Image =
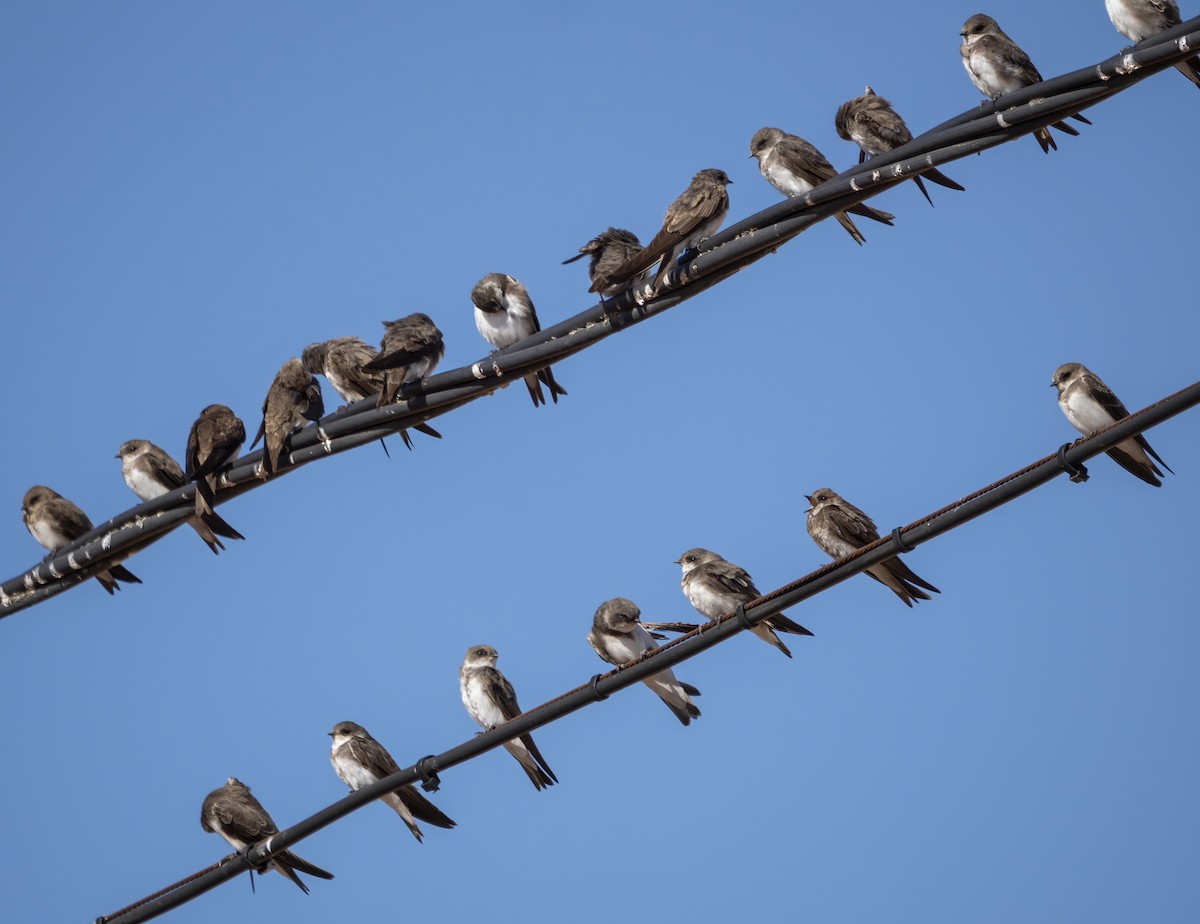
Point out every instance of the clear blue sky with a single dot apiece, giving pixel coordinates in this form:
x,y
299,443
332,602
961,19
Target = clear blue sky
x,y
193,194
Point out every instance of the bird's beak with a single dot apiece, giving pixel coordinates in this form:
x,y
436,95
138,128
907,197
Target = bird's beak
x,y
679,561
808,498
578,256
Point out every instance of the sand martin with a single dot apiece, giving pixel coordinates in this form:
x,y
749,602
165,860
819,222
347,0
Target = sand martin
x,y
871,123
795,167
1090,404
341,361
213,441
411,348
55,522
293,398
607,252
359,760
618,637
491,701
692,218
1138,20
232,812
150,472
504,314
716,587
840,528
996,65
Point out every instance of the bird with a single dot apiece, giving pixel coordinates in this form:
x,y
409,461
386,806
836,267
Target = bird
x,y
215,439
55,523
795,167
411,348
839,528
232,812
997,65
1089,404
715,587
491,701
359,760
341,361
617,637
504,314
294,397
1139,20
871,123
694,216
607,251
150,472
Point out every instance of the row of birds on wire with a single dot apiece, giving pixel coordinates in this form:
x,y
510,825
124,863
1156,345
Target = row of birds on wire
x,y
504,312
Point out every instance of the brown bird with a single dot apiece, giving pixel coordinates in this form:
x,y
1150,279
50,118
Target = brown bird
x,y
150,472
359,760
692,218
795,168
504,315
294,397
411,348
55,523
608,251
215,439
342,361
871,123
232,812
839,528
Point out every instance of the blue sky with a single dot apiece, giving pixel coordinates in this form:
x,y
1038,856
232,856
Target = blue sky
x,y
194,194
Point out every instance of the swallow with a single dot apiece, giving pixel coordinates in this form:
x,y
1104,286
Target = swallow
x,y
1089,405
871,123
359,760
504,314
693,217
491,701
1138,20
411,348
215,439
715,587
795,167
607,251
839,528
294,397
55,523
997,65
232,812
150,472
342,361
618,637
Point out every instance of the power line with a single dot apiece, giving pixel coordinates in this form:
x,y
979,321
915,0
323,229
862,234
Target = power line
x,y
722,255
1068,460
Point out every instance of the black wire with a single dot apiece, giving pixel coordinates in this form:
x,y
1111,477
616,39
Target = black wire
x,y
681,649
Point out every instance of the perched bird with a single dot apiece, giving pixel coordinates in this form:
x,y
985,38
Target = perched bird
x,y
359,760
294,397
693,217
490,700
232,812
996,65
55,523
1138,20
504,314
618,637
214,440
871,123
795,167
608,251
410,350
342,361
715,587
1089,405
150,472
840,528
